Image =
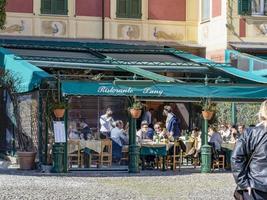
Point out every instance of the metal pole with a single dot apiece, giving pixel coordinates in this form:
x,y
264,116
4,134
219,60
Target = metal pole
x,y
103,19
40,126
65,162
205,150
134,150
46,134
233,113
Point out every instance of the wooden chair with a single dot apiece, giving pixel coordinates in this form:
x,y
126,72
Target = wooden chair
x,y
125,154
74,157
105,156
219,163
176,158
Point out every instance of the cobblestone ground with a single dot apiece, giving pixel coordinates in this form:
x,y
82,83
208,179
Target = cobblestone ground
x,y
116,185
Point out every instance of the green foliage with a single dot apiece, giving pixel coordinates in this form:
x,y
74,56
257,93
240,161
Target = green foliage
x,y
2,13
207,105
246,113
59,105
137,105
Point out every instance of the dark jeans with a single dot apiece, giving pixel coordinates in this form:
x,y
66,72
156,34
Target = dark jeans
x,y
255,195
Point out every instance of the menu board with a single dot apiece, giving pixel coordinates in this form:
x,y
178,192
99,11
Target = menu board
x,y
59,131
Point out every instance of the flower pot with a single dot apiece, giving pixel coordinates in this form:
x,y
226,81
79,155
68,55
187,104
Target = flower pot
x,y
207,114
26,159
59,113
136,113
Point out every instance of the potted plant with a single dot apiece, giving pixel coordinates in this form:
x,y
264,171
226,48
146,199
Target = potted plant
x,y
59,109
136,109
208,109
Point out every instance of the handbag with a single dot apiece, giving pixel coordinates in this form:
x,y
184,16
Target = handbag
x,y
238,193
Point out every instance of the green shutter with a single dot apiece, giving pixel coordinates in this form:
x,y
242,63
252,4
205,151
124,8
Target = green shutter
x,y
121,8
135,8
129,8
244,7
60,7
46,7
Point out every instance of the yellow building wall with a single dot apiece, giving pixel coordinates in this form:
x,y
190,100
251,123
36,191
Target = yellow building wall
x,y
255,25
191,31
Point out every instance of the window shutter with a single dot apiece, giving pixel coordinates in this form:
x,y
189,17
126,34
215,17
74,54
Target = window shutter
x,y
244,7
60,7
46,7
121,8
135,8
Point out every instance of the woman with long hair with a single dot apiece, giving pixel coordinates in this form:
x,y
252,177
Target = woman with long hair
x,y
249,160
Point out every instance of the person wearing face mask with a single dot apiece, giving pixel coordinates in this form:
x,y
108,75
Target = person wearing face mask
x,y
106,123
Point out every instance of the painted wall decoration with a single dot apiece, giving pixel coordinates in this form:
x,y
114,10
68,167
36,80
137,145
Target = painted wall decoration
x,y
162,35
129,32
263,28
19,27
55,28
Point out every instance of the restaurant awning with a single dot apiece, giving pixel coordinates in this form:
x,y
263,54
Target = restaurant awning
x,y
160,90
29,76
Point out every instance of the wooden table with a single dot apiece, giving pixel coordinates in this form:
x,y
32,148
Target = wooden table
x,y
155,149
88,146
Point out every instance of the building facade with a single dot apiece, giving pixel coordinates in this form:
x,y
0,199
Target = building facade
x,y
247,21
200,23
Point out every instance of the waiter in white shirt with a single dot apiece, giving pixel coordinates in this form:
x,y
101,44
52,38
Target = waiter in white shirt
x,y
106,123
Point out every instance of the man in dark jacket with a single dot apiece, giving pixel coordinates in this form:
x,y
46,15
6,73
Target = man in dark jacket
x,y
252,179
172,122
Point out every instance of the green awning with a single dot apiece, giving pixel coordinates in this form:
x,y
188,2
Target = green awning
x,y
176,90
29,75
148,74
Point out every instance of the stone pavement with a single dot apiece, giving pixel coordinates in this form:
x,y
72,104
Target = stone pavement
x,y
187,184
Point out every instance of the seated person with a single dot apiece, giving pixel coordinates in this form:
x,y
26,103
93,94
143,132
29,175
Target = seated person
x,y
74,134
161,131
196,143
216,138
144,133
86,132
119,138
234,134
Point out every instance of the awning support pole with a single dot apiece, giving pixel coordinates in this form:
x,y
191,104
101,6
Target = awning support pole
x,y
40,128
134,149
233,113
206,149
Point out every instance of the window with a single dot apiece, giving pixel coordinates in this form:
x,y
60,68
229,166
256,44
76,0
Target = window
x,y
58,7
205,10
252,7
129,8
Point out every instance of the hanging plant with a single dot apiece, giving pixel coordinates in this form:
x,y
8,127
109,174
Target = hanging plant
x,y
2,13
136,109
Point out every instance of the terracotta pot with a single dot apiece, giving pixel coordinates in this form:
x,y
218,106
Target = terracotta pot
x,y
26,159
59,113
207,114
136,113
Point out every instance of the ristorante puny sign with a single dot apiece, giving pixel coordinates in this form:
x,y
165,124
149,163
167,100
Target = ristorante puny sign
x,y
176,90
128,90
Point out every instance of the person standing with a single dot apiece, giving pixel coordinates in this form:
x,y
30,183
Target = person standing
x,y
248,160
172,122
106,122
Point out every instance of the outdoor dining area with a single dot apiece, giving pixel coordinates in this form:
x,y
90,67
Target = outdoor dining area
x,y
154,154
